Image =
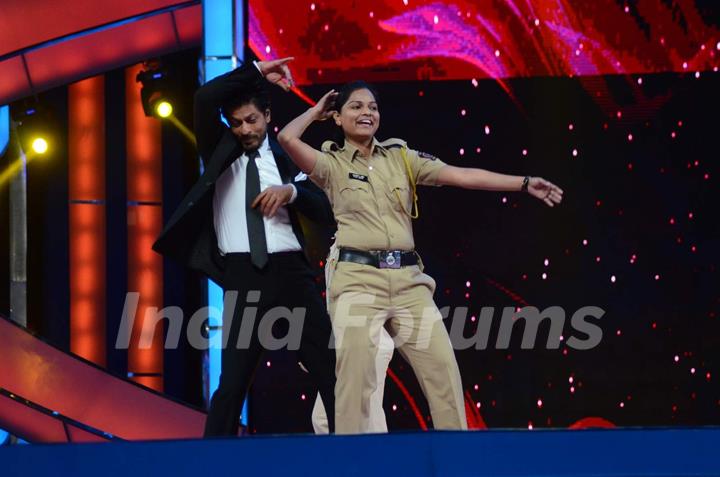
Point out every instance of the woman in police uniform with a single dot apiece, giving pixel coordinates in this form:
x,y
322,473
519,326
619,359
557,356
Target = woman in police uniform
x,y
378,279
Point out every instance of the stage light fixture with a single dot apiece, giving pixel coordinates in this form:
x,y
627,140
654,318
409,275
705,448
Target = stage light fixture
x,y
40,145
35,127
155,92
163,108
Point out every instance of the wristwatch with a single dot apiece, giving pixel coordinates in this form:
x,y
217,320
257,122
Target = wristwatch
x,y
525,182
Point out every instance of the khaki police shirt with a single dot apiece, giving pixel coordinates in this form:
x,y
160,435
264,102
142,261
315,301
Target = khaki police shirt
x,y
364,192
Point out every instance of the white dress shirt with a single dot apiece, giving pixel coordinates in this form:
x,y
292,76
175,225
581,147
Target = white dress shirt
x,y
229,207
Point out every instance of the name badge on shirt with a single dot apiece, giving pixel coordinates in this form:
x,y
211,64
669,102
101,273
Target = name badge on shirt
x,y
425,155
358,177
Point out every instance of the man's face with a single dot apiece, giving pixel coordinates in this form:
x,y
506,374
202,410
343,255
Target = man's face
x,y
249,125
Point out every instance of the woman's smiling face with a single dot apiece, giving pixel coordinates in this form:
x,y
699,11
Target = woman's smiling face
x,y
359,117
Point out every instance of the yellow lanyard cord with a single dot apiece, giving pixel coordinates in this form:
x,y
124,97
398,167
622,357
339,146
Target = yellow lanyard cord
x,y
403,153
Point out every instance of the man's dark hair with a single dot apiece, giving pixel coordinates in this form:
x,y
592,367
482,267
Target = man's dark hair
x,y
257,95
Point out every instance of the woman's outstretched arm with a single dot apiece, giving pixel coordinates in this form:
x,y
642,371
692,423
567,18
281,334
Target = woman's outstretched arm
x,y
302,154
471,178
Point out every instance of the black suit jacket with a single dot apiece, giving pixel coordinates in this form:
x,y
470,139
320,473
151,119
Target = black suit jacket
x,y
189,236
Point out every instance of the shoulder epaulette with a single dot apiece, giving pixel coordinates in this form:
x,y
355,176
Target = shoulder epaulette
x,y
330,146
393,143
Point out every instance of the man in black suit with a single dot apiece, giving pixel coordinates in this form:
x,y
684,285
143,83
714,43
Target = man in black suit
x,y
239,226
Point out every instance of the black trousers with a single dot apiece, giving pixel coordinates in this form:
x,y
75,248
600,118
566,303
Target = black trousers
x,y
286,281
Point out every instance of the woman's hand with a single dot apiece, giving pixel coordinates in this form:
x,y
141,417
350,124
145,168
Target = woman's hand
x,y
323,109
277,72
545,191
302,154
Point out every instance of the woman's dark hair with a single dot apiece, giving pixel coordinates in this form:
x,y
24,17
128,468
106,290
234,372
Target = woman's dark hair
x,y
348,88
344,95
257,95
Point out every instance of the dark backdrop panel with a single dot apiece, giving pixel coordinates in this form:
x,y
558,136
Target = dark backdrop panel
x,y
644,205
48,292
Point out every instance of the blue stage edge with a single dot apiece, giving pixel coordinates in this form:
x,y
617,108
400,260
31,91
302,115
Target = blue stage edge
x,y
616,452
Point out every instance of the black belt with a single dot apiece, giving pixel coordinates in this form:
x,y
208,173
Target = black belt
x,y
379,258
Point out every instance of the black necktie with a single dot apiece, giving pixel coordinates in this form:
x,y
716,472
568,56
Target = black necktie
x,y
255,225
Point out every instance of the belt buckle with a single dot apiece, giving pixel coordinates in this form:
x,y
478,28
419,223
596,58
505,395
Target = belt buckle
x,y
391,260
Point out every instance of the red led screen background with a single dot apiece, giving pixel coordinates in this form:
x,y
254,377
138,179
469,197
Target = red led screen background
x,y
404,40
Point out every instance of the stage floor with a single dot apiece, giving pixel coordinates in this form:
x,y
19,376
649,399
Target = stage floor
x,y
612,452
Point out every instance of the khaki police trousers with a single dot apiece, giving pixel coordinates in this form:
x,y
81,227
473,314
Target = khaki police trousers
x,y
386,345
363,299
